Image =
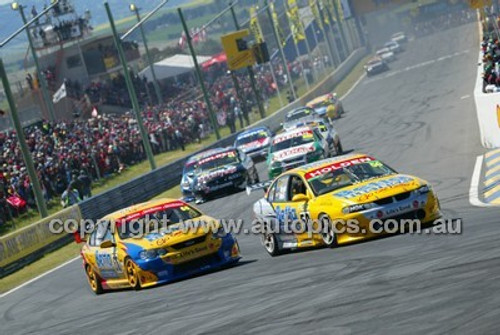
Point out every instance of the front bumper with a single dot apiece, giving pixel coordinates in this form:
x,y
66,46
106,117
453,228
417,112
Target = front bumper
x,y
162,270
259,154
416,209
222,186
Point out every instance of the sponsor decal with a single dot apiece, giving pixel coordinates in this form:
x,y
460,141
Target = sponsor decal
x,y
336,166
280,155
374,187
217,173
302,133
255,144
231,154
140,214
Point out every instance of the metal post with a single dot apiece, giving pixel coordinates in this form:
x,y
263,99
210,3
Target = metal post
x,y
295,44
271,68
159,95
28,160
280,47
341,28
309,51
131,90
240,97
251,74
325,36
41,77
199,74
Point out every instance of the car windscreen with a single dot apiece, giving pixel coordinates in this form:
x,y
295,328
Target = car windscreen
x,y
145,223
251,137
292,141
347,176
217,161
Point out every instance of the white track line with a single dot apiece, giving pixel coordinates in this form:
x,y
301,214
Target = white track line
x,y
353,86
474,185
38,277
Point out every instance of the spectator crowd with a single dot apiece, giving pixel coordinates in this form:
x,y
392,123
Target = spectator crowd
x,y
70,155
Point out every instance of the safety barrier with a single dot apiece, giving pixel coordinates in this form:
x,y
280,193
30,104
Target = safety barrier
x,y
21,248
488,112
32,242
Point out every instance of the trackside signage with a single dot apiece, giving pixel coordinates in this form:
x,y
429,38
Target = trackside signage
x,y
26,241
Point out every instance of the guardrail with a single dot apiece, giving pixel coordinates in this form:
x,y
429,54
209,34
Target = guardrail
x,y
22,247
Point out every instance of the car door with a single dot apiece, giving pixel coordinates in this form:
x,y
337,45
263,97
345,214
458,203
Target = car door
x,y
106,258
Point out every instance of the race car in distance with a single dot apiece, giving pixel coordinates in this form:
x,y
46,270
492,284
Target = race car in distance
x,y
399,38
375,65
296,147
394,47
353,186
386,55
327,106
122,253
188,174
254,142
328,132
302,114
221,171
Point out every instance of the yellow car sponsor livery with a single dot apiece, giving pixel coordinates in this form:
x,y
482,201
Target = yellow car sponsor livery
x,y
126,250
338,200
327,106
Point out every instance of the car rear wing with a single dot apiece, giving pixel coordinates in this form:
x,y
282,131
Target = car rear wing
x,y
259,186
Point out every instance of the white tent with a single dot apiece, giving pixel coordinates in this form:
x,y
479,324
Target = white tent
x,y
172,67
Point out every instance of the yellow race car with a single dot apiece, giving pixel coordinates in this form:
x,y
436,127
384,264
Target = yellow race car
x,y
152,243
340,200
327,106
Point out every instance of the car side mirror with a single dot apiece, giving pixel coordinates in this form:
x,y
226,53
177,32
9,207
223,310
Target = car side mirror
x,y
106,244
300,198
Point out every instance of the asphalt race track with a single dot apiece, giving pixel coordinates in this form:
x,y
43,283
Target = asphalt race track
x,y
418,119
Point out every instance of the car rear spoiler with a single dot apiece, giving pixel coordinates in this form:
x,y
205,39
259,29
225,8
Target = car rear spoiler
x,y
259,186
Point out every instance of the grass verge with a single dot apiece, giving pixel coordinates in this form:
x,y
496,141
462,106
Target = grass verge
x,y
70,251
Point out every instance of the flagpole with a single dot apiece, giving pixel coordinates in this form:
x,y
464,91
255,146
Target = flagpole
x,y
280,48
251,73
326,38
296,46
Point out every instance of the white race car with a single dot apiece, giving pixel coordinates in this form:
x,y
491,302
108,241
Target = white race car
x,y
386,55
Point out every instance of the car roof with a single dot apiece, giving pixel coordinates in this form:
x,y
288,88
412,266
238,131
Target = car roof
x,y
326,162
296,110
293,131
252,130
320,99
125,212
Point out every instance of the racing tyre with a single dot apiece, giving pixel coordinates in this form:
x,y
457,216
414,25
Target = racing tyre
x,y
338,149
256,178
94,280
271,245
327,232
132,274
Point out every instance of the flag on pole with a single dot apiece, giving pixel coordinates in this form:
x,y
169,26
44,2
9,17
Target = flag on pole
x,y
255,26
276,24
294,19
315,12
60,94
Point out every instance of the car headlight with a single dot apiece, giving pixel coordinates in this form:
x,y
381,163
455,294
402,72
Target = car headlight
x,y
423,190
358,208
369,69
152,253
185,184
220,232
